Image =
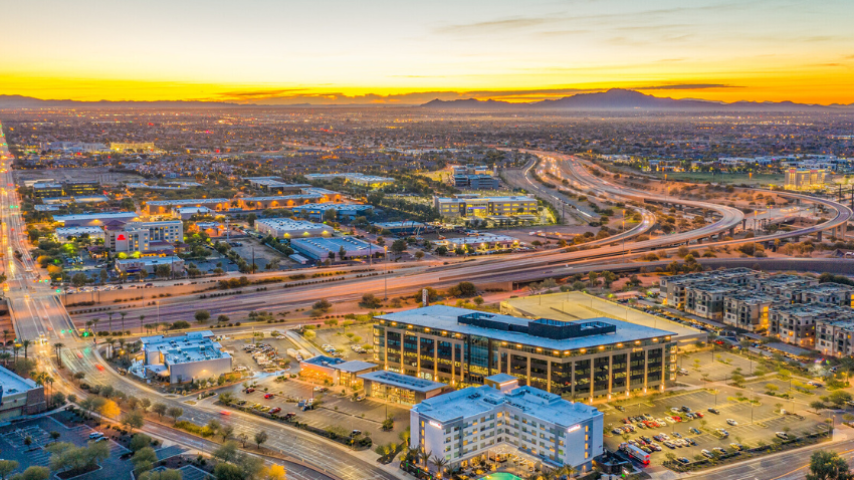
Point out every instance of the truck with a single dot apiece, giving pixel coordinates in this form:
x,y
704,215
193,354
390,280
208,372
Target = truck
x,y
635,453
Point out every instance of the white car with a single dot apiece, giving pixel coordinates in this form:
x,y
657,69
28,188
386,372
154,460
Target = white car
x,y
731,422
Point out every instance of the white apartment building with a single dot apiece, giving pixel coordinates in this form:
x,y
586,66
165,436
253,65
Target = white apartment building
x,y
500,415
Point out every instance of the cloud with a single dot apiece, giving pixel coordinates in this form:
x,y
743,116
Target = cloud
x,y
493,26
687,86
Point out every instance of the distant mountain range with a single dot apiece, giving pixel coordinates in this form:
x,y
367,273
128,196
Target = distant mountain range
x,y
616,99
621,99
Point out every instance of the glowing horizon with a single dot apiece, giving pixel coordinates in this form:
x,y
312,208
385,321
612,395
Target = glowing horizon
x,y
272,52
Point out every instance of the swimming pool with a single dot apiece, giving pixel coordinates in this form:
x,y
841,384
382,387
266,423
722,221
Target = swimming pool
x,y
500,476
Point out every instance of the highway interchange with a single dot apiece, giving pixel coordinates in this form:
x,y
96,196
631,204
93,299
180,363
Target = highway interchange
x,y
39,316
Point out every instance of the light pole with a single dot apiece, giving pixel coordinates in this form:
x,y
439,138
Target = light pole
x,y
385,277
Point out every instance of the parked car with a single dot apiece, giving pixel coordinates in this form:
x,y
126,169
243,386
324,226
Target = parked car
x,y
732,422
707,454
715,411
683,460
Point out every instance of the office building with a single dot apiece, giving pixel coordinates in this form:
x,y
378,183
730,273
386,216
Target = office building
x,y
472,206
47,190
481,242
322,248
161,207
185,213
805,179
78,189
407,228
476,182
19,396
363,180
344,212
283,201
97,219
334,372
471,422
598,357
400,389
275,185
287,228
184,358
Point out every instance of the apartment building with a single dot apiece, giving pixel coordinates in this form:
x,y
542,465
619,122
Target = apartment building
x,y
795,323
474,206
786,285
599,357
833,337
826,293
469,423
706,300
748,310
674,288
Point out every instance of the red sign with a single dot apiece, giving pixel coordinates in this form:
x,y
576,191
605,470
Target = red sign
x,y
120,237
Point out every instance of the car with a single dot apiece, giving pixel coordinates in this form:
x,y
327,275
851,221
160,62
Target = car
x,y
677,435
101,439
683,460
641,425
319,389
707,454
659,438
620,408
94,435
694,431
275,410
670,445
646,448
646,439
691,442
723,432
249,390
714,410
732,422
224,412
698,414
627,421
355,433
617,431
647,416
675,410
269,396
736,446
290,416
676,418
815,384
720,450
782,435
655,447
685,409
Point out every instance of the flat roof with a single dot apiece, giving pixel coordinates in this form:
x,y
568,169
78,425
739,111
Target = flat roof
x,y
474,401
333,206
95,215
488,199
441,317
354,366
188,201
151,260
398,224
400,380
13,383
288,224
192,347
72,230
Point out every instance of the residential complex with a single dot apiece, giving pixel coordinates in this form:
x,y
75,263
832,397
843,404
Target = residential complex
x,y
597,357
468,423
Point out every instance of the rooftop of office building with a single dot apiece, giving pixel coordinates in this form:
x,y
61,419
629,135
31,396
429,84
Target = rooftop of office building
x,y
192,347
13,383
543,333
400,380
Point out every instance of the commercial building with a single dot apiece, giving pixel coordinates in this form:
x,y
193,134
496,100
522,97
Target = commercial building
x,y
356,178
185,213
598,357
334,371
471,206
283,201
481,242
80,199
160,207
134,147
67,234
400,389
407,228
97,219
143,236
321,248
805,179
81,188
343,211
471,422
149,264
286,228
476,182
184,358
47,190
274,184
748,310
19,396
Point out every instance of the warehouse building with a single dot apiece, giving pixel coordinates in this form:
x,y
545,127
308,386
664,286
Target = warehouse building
x,y
321,248
184,358
481,242
472,422
598,357
343,211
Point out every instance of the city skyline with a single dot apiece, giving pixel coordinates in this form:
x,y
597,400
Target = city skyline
x,y
382,53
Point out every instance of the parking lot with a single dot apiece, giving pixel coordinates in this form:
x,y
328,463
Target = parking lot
x,y
752,424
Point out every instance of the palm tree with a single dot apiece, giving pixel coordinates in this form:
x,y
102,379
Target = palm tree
x,y
15,349
123,314
111,321
26,344
141,323
439,462
58,348
5,334
5,356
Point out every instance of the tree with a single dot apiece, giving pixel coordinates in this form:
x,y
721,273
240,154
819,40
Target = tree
x,y
276,472
839,398
228,452
260,438
226,431
165,474
817,405
54,435
419,255
7,467
133,419
110,409
243,437
139,441
202,316
250,219
163,271
827,465
79,279
227,471
144,459
467,289
223,319
159,409
33,473
175,412
398,246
